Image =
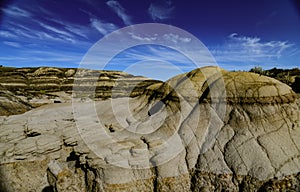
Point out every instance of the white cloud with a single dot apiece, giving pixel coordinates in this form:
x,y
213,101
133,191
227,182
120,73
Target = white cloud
x,y
23,33
255,45
156,53
120,11
43,35
140,38
55,30
176,38
78,30
102,27
16,12
7,34
64,34
169,37
63,39
18,26
250,49
161,10
12,44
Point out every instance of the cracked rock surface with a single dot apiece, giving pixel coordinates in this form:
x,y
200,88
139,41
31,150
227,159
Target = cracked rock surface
x,y
206,130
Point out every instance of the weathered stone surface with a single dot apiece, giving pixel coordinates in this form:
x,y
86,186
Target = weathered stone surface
x,y
290,77
10,104
64,178
23,176
245,87
206,130
38,86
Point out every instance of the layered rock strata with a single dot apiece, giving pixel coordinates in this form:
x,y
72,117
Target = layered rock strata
x,y
10,104
43,85
206,130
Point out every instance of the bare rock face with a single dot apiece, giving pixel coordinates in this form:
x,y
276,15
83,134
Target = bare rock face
x,y
10,104
289,76
206,130
44,85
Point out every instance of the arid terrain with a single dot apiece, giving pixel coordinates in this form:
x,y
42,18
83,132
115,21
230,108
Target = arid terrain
x,y
205,130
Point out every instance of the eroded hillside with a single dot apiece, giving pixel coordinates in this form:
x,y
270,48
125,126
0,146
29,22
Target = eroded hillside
x,y
206,130
22,89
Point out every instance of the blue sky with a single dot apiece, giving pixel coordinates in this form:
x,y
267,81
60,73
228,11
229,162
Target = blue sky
x,y
238,34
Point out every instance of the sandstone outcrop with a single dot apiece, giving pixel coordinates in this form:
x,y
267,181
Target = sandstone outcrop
x,y
44,85
10,104
206,130
290,77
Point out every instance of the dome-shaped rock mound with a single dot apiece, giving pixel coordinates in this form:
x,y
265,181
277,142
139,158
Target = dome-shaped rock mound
x,y
190,86
246,87
205,130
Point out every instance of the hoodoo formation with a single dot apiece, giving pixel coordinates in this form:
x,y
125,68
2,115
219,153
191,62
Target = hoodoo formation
x,y
205,130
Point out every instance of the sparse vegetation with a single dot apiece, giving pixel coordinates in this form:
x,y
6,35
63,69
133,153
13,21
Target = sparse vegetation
x,y
258,70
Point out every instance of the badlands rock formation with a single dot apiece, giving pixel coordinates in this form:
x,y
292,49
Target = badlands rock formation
x,y
206,130
10,104
290,77
44,85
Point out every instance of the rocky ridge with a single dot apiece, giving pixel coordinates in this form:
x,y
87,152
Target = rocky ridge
x,y
206,130
34,87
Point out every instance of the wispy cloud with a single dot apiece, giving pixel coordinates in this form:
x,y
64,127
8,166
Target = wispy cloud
x,y
153,53
20,33
176,38
48,34
142,38
161,10
102,27
36,36
31,57
56,30
78,30
72,28
243,49
155,61
120,11
254,45
16,12
44,36
12,24
7,34
12,44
